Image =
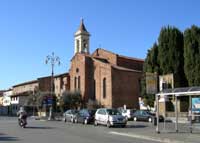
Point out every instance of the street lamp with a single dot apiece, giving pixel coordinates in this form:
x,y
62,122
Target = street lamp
x,y
52,60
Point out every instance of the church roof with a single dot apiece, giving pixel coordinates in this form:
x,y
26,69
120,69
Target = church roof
x,y
121,56
125,69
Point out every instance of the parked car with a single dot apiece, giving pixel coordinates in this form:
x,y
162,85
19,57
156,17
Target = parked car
x,y
69,115
127,113
145,115
85,116
109,117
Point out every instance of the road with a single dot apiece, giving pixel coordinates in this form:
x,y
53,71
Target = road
x,y
60,132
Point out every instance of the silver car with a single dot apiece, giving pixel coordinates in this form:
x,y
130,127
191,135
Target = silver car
x,y
109,117
69,115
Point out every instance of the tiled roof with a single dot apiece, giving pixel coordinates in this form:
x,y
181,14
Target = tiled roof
x,y
29,82
125,69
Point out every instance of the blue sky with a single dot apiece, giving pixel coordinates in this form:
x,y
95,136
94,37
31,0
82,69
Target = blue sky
x,y
32,29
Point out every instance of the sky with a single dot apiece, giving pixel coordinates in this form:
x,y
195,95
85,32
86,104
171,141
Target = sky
x,y
32,29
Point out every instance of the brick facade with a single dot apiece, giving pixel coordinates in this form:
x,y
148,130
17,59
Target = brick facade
x,y
109,79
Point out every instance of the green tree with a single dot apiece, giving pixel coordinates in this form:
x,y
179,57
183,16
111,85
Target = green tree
x,y
192,55
35,99
151,65
151,61
170,54
70,100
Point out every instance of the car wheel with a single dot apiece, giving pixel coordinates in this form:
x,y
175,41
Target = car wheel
x,y
150,119
85,121
123,126
135,119
72,120
65,120
108,124
75,120
95,123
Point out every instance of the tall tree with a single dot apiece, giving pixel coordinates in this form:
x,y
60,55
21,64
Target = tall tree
x,y
170,54
192,55
151,62
150,65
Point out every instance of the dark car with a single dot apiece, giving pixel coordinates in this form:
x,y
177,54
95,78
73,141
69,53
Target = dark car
x,y
145,115
69,115
85,116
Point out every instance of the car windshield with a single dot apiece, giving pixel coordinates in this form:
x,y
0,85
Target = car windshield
x,y
74,111
113,112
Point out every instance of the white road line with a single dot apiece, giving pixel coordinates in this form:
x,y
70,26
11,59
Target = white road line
x,y
164,140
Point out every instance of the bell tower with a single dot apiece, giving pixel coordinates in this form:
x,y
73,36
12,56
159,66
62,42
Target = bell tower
x,y
81,39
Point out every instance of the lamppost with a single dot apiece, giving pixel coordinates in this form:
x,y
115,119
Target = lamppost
x,y
52,60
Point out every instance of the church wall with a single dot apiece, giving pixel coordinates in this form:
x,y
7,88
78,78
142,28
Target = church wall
x,y
102,71
78,69
125,88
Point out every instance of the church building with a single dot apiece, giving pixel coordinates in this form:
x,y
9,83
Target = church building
x,y
109,79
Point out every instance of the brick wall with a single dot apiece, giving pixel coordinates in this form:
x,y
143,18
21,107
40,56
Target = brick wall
x,y
125,88
45,84
78,70
130,63
102,71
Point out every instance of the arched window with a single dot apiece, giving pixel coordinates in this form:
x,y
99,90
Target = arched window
x,y
77,45
104,88
79,82
75,82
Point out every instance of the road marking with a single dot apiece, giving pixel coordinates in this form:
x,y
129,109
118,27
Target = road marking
x,y
163,140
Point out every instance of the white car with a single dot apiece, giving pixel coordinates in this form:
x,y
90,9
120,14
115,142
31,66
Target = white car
x,y
109,117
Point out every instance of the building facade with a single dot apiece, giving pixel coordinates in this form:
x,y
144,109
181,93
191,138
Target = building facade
x,y
21,93
109,79
7,102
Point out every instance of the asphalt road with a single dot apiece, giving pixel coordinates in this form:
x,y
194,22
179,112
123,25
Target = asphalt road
x,y
60,132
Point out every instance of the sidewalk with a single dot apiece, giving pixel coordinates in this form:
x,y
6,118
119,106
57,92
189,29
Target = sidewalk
x,y
167,136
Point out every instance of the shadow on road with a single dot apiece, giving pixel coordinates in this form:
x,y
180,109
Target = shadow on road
x,y
7,138
35,127
136,126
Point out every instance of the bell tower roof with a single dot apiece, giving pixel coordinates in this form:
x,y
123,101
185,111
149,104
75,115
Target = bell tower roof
x,y
82,26
82,29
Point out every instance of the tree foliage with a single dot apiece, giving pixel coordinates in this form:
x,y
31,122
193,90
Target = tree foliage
x,y
192,55
165,57
170,54
70,99
151,62
151,65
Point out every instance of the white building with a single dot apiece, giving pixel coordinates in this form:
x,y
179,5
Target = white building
x,y
7,110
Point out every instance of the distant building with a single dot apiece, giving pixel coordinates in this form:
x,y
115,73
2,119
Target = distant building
x,y
107,78
61,84
1,97
20,94
7,101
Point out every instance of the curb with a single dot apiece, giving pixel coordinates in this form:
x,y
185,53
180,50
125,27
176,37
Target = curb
x,y
157,139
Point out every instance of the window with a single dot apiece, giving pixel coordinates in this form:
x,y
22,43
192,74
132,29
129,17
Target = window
x,y
75,82
77,45
102,112
94,90
79,82
104,88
